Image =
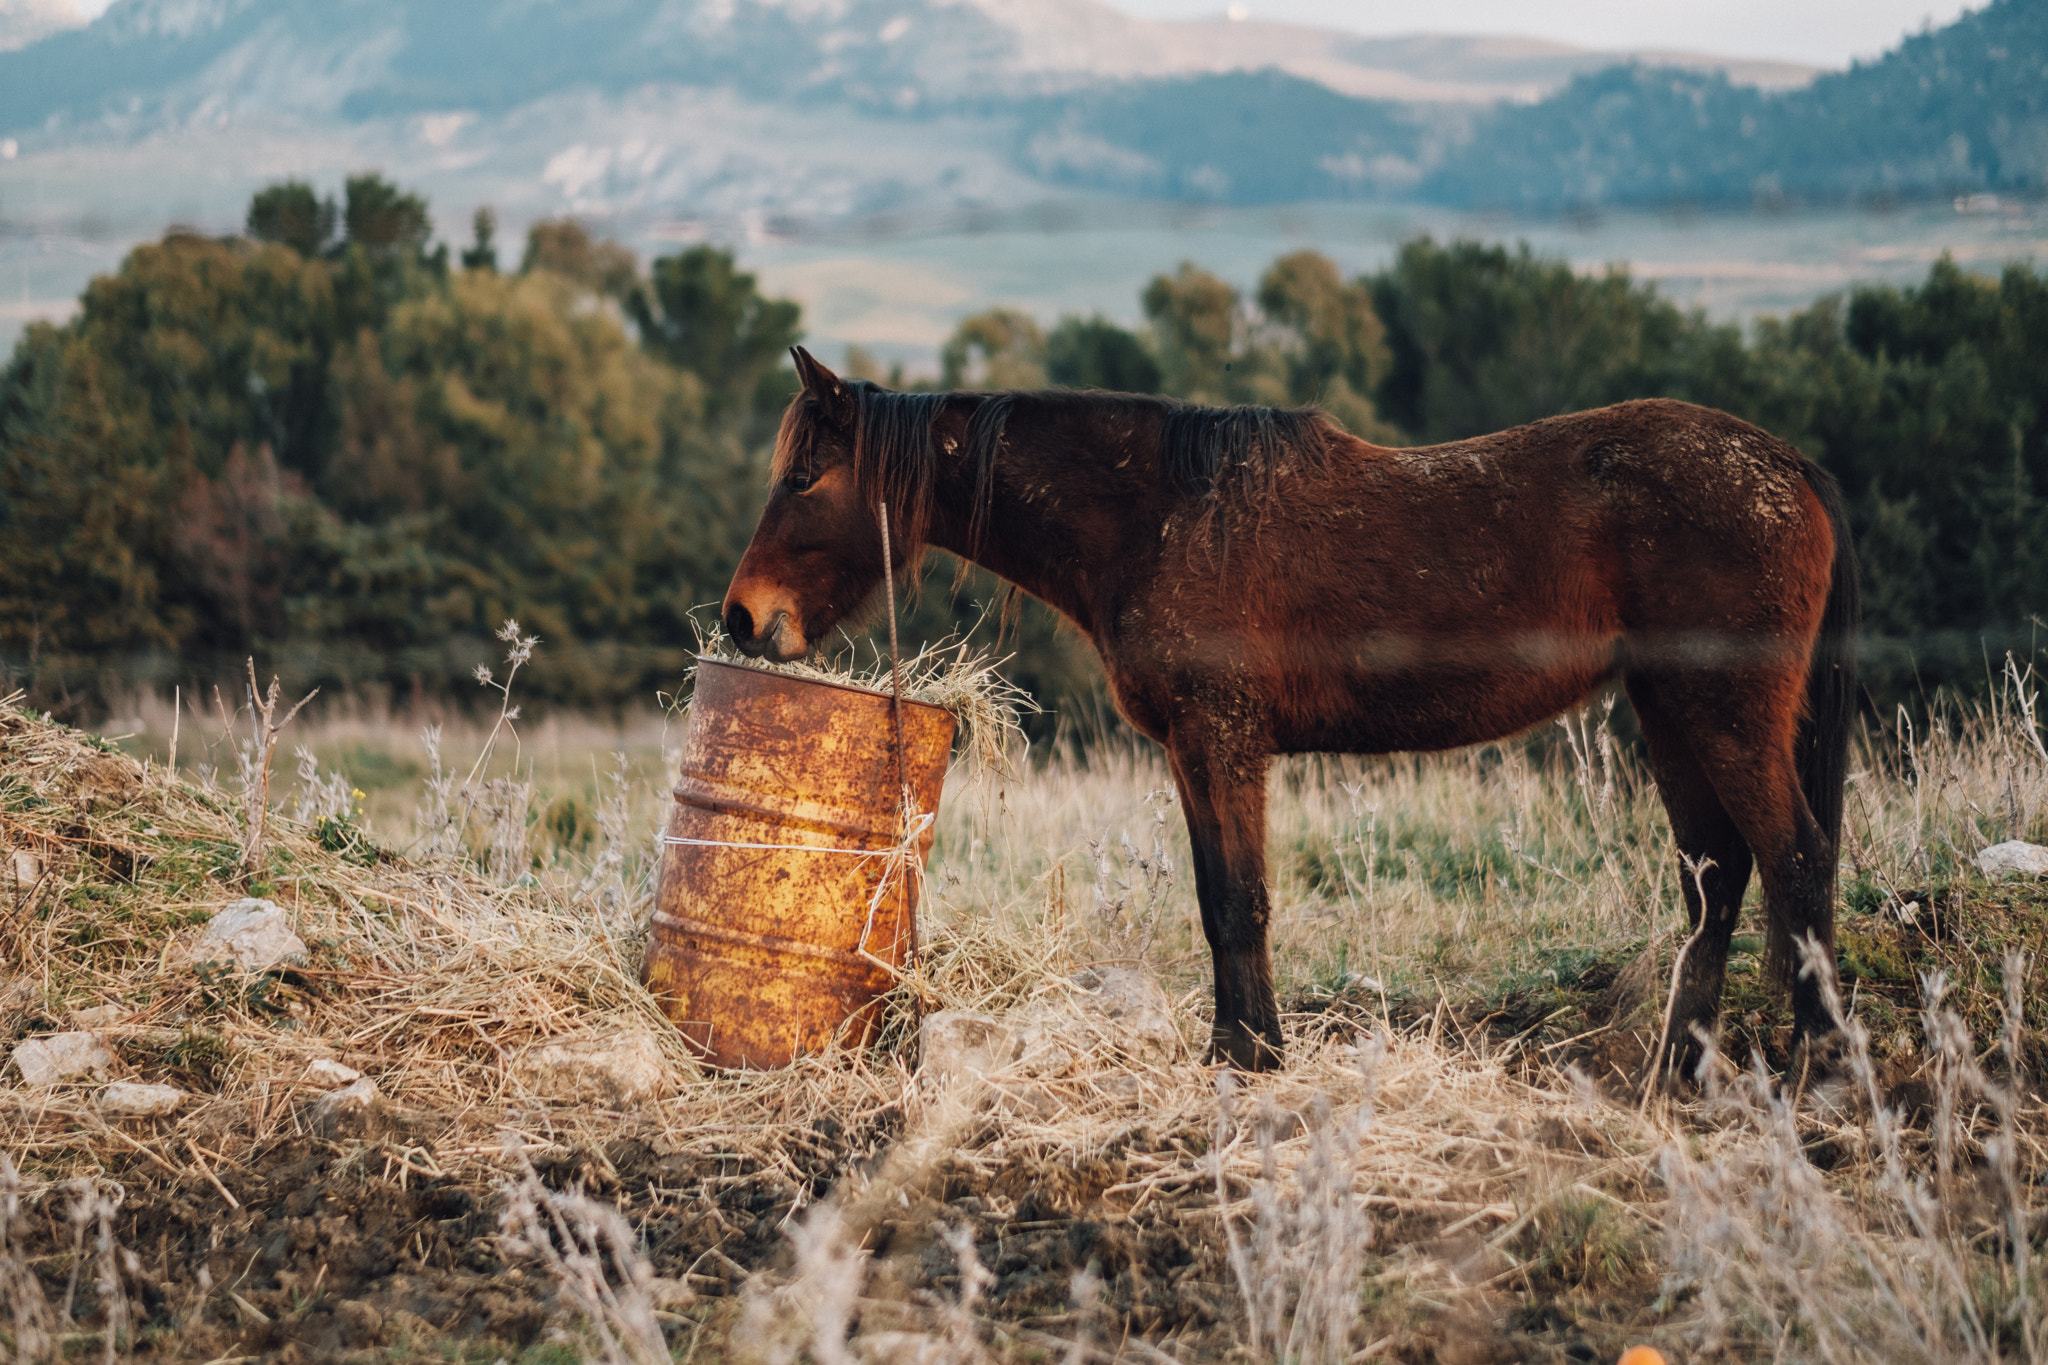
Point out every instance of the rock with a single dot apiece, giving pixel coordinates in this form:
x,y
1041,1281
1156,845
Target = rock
x,y
1051,1044
133,1099
955,1043
99,1016
1110,1011
327,1074
26,867
1127,1009
1114,1015
2013,857
360,1110
254,933
58,1057
621,1069
350,1111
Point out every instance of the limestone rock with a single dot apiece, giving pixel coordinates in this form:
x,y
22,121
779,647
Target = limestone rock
x,y
954,1043
329,1074
2013,857
56,1057
25,867
1110,1012
1127,1006
349,1111
619,1069
254,933
133,1099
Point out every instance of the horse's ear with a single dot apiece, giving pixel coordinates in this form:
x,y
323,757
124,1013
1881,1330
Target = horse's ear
x,y
825,387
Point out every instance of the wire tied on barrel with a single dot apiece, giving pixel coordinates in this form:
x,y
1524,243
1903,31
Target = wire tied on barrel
x,y
901,863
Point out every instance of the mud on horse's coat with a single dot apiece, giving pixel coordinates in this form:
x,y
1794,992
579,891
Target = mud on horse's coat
x,y
1258,582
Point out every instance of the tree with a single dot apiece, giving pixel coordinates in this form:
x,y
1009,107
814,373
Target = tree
x,y
701,313
999,349
1483,338
541,466
482,254
292,214
1333,348
1095,353
1194,318
382,217
356,462
196,349
82,534
566,247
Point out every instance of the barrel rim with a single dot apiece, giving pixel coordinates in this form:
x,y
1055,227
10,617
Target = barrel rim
x,y
820,682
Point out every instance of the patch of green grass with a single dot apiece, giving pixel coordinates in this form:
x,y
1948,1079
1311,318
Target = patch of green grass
x,y
17,795
337,834
201,1059
1579,1243
375,767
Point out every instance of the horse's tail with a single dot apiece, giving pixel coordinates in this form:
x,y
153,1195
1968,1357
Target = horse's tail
x,y
1823,744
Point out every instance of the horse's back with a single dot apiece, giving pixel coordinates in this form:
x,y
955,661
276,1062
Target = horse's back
x,y
1504,577
1659,499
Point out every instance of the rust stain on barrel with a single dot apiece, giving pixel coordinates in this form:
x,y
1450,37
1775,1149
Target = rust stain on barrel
x,y
755,952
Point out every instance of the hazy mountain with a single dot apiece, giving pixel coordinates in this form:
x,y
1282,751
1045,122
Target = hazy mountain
x,y
824,107
1958,109
1256,137
153,59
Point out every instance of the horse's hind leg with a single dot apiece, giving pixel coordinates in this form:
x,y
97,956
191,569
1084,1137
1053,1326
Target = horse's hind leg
x,y
1714,866
1739,726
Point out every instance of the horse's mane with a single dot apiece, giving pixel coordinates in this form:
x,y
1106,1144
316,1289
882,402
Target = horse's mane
x,y
1206,454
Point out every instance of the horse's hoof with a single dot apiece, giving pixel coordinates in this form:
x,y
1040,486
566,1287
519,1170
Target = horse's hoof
x,y
1244,1052
1820,1056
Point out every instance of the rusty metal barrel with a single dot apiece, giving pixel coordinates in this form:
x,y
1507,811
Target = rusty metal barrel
x,y
784,903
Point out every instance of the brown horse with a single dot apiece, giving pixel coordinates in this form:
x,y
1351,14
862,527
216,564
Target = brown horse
x,y
1258,582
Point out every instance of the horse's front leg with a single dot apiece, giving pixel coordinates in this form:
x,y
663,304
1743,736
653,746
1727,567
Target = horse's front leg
x,y
1222,778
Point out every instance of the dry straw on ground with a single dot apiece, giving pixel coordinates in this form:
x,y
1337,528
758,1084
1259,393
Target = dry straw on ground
x,y
1446,1168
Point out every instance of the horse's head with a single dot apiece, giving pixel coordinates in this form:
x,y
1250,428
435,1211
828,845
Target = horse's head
x,y
816,555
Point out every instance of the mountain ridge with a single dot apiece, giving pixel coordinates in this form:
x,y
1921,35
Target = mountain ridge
x,y
844,106
142,55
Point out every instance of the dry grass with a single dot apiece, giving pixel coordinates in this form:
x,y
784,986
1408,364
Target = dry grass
x,y
1452,1164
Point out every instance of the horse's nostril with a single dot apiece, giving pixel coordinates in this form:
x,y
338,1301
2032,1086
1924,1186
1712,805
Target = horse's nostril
x,y
739,623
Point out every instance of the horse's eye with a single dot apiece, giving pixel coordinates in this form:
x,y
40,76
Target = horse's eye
x,y
800,481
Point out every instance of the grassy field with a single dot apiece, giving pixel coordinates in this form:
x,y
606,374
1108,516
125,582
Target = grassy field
x,y
1457,1163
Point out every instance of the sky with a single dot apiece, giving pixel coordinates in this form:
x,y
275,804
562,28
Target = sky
x,y
1828,33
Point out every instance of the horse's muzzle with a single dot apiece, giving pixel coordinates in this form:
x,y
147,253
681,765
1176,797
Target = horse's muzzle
x,y
781,641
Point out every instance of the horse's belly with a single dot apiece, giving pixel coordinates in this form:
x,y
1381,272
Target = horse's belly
x,y
1383,711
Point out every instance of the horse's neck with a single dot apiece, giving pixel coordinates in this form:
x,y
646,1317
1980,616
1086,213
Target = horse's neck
x,y
1066,485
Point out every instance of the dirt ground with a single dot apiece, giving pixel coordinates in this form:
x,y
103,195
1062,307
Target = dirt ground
x,y
1512,1199
351,1246
356,1245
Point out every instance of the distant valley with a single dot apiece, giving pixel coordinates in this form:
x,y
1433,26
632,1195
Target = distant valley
x,y
764,122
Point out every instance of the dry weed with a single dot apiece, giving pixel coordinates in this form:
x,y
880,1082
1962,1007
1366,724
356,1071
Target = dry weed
x,y
1424,1166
